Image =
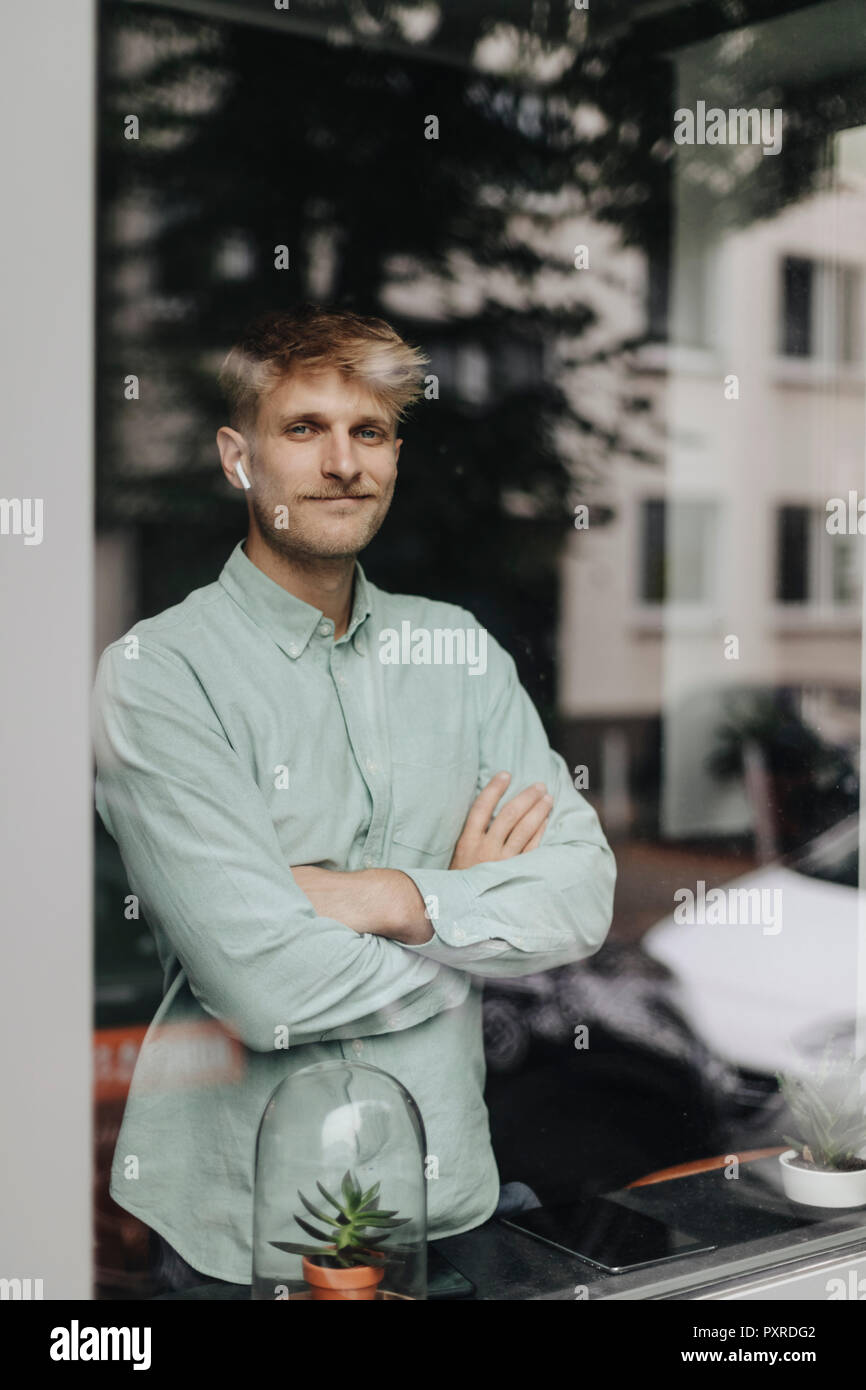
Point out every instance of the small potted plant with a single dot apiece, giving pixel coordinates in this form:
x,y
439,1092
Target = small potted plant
x,y
347,1266
826,1167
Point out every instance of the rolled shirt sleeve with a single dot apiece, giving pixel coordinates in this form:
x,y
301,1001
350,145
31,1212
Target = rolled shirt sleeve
x,y
540,909
201,853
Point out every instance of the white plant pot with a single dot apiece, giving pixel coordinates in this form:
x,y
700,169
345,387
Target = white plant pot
x,y
816,1187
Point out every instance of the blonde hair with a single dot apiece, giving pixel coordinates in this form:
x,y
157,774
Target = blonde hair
x,y
310,338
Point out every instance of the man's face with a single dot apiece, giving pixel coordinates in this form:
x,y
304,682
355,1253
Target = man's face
x,y
326,452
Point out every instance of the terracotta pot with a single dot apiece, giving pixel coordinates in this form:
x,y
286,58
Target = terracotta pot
x,y
358,1281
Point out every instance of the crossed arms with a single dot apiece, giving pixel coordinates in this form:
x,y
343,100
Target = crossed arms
x,y
336,955
387,902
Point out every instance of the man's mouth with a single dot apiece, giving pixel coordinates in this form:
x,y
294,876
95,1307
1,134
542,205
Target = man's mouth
x,y
348,497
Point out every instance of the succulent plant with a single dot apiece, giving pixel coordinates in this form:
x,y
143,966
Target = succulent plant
x,y
830,1114
348,1234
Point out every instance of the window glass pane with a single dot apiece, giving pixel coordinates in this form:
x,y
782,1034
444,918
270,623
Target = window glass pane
x,y
653,588
845,551
850,314
692,550
619,462
797,307
793,538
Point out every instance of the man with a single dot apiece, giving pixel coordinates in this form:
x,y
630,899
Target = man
x,y
337,807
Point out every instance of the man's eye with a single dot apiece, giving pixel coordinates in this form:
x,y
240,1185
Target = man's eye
x,y
293,428
369,430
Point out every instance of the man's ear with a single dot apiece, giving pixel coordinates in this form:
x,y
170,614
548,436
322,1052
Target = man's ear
x,y
397,443
234,453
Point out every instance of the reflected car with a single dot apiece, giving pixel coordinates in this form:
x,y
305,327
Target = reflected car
x,y
767,993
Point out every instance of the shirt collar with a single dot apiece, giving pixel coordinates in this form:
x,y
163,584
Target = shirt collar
x,y
287,619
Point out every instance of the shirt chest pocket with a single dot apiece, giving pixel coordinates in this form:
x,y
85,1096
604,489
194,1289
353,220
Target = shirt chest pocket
x,y
433,778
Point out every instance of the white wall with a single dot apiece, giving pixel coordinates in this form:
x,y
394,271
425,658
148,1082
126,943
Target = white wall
x,y
46,288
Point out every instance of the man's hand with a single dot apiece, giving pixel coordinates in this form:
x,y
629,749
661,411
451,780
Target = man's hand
x,y
519,827
384,902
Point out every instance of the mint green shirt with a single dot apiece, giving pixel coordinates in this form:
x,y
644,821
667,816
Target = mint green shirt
x,y
234,738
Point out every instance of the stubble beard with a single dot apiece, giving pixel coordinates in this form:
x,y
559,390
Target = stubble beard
x,y
293,542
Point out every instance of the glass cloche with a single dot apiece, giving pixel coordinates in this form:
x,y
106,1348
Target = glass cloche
x,y
340,1203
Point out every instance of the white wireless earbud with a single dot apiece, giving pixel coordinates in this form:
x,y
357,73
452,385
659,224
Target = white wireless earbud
x,y
239,469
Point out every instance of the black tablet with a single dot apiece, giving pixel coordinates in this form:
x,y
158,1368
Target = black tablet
x,y
604,1233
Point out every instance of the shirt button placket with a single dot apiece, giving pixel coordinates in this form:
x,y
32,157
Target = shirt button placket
x,y
370,766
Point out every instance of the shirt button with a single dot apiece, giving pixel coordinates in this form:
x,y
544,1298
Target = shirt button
x,y
459,933
357,1046
369,861
324,629
293,649
371,766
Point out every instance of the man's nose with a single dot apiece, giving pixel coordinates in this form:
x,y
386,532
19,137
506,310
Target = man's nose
x,y
338,460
